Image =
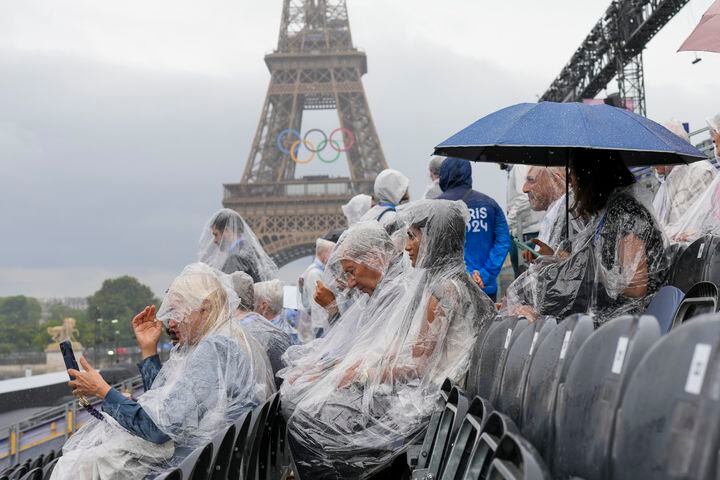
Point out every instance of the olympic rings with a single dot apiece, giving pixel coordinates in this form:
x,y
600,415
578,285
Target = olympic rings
x,y
294,151
280,140
323,142
348,140
350,135
321,148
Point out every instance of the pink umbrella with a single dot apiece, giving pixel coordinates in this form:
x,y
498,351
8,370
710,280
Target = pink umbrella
x,y
706,36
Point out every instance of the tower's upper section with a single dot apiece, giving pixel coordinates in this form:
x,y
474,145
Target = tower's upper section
x,y
314,27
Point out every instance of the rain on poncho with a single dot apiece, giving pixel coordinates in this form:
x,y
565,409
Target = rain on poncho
x,y
365,243
228,244
594,276
378,399
210,379
702,218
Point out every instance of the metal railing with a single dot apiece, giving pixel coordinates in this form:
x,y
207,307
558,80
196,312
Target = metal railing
x,y
50,425
299,188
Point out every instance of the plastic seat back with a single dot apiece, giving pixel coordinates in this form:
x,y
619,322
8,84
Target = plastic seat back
x,y
498,341
223,447
669,420
589,398
467,439
48,468
689,268
242,429
495,428
664,305
450,421
516,459
517,366
420,461
547,372
255,439
701,299
196,465
473,369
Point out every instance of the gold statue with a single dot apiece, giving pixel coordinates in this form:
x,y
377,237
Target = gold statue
x,y
66,331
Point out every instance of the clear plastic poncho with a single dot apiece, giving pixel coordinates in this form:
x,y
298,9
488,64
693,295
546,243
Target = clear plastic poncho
x,y
379,397
681,190
212,376
356,208
390,188
228,243
613,266
702,218
368,244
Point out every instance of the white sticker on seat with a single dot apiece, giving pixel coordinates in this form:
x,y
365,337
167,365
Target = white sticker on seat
x,y
532,344
566,342
698,366
700,250
619,358
508,335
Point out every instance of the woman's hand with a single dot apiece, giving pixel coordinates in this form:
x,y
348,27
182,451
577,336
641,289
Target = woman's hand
x,y
323,295
88,383
147,331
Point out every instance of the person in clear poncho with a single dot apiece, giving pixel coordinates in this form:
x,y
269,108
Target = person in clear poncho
x,y
272,340
613,266
702,218
269,302
364,412
356,208
229,244
391,189
378,281
682,186
209,380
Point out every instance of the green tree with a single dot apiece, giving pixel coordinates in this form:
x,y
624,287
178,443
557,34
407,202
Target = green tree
x,y
19,320
118,299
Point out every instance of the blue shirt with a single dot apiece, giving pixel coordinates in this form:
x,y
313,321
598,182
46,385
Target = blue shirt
x,y
128,413
487,237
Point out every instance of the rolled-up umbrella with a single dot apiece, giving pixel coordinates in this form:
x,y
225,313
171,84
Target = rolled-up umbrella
x,y
706,36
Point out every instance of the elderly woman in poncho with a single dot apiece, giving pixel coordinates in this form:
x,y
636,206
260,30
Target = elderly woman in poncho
x,y
362,414
210,379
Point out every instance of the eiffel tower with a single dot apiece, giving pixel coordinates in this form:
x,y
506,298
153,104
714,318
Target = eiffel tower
x,y
315,67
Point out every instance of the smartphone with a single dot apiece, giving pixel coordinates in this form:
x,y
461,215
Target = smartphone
x,y
70,362
526,247
69,356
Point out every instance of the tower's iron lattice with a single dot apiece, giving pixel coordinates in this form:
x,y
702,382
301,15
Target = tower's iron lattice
x,y
315,67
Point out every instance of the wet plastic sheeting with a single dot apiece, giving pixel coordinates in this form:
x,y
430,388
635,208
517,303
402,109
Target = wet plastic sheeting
x,y
548,372
591,395
669,423
497,341
517,366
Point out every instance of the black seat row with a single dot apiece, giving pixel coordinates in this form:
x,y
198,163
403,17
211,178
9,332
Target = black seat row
x,y
251,449
620,402
38,468
482,443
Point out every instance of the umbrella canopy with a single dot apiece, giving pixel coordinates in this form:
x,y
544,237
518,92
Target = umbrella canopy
x,y
547,133
706,36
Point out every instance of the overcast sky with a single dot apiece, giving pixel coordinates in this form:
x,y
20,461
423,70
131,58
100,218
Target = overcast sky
x,y
119,121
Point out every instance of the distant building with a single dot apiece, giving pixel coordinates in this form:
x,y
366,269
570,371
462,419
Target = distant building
x,y
78,303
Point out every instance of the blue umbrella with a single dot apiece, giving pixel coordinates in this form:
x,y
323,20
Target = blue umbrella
x,y
547,133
